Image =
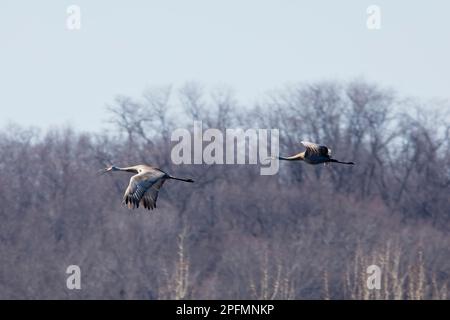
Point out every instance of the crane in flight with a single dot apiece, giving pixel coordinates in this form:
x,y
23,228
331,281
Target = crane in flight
x,y
314,154
144,186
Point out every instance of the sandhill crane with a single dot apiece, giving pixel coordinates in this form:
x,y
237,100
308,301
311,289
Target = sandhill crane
x,y
144,185
314,154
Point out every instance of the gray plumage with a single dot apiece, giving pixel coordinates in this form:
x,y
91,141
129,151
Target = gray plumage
x,y
144,186
314,154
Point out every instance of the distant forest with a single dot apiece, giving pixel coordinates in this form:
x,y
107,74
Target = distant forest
x,y
308,232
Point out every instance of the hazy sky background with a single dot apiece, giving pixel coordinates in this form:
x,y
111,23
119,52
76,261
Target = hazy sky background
x,y
52,76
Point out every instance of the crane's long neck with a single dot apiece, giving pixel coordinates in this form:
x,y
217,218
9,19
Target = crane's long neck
x,y
128,169
300,156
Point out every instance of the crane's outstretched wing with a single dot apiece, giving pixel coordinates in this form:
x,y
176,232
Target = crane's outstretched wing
x,y
139,185
150,197
316,149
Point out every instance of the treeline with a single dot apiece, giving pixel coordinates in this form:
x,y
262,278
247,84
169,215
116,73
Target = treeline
x,y
308,232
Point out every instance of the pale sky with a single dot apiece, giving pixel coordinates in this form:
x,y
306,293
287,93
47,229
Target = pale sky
x,y
52,76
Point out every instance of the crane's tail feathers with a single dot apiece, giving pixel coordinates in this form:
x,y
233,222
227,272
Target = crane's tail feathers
x,y
181,179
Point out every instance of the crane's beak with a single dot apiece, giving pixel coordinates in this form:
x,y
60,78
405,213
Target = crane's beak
x,y
102,171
